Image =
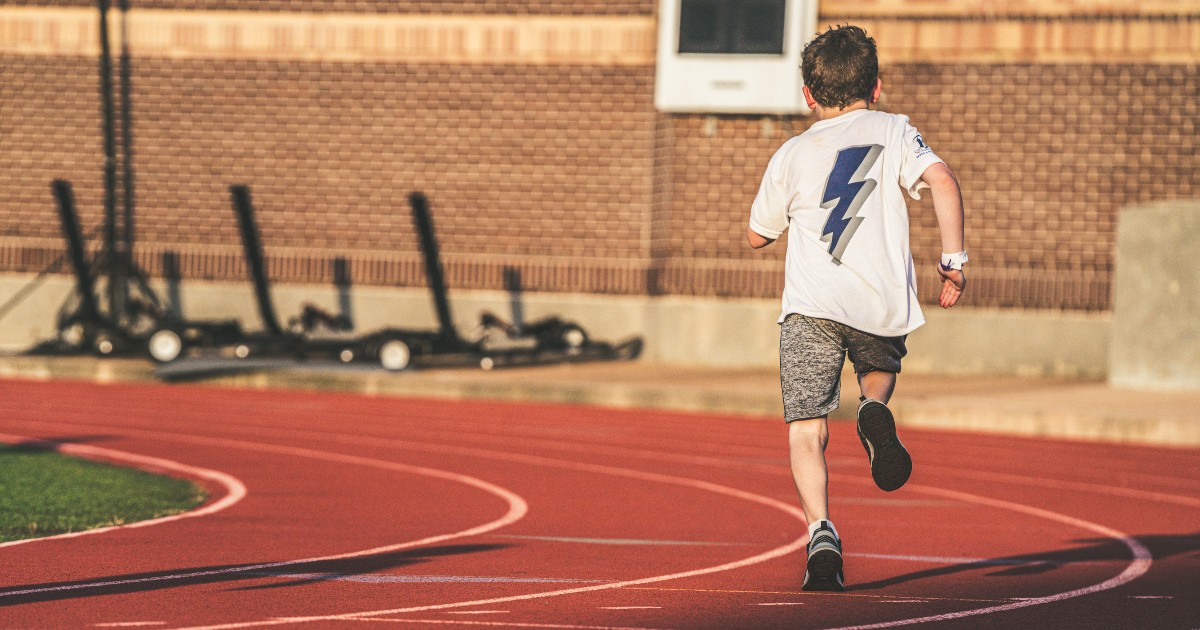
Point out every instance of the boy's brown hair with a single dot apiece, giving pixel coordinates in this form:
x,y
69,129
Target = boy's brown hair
x,y
840,66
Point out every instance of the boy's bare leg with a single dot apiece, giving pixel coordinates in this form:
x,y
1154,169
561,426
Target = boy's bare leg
x,y
807,440
877,385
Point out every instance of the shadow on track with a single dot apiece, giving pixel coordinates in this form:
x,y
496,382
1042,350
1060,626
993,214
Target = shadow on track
x,y
1093,550
146,582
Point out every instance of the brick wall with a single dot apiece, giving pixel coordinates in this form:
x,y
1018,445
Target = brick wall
x,y
1046,155
504,7
522,165
561,167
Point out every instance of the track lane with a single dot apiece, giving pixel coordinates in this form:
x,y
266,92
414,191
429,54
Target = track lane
x,y
747,466
141,434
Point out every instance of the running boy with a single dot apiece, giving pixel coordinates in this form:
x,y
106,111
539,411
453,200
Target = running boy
x,y
849,284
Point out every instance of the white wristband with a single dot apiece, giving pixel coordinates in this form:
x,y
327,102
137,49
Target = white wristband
x,y
954,261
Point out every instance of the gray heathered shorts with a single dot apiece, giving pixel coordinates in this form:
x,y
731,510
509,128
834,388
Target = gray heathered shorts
x,y
811,354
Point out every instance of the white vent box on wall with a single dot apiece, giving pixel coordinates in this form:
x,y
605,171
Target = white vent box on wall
x,y
732,56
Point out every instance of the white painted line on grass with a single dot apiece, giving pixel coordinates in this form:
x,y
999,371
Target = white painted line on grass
x,y
235,490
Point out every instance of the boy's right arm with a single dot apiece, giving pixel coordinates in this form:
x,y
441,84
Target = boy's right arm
x,y
756,240
768,213
948,206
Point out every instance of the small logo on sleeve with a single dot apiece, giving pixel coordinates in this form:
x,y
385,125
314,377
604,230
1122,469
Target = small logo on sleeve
x,y
922,148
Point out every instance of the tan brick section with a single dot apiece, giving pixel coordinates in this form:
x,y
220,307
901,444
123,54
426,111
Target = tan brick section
x,y
531,126
1048,33
344,37
1026,40
383,7
992,8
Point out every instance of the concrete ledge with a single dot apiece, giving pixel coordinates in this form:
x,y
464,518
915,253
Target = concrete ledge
x,y
689,331
1058,424
1036,407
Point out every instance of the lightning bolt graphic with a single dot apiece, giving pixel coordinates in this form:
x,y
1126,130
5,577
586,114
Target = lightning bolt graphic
x,y
845,192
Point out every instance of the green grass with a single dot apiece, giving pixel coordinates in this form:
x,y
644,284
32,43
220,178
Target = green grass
x,y
43,493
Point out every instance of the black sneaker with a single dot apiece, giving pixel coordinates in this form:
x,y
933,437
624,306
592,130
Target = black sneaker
x,y
824,561
891,464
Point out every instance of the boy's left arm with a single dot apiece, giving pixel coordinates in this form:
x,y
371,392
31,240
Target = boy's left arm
x,y
948,206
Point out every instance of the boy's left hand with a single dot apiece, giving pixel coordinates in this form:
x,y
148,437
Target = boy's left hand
x,y
953,283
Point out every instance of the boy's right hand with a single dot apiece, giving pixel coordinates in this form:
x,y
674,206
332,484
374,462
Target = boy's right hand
x,y
953,283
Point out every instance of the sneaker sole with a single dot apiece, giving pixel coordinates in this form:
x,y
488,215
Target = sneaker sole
x,y
826,585
823,569
891,464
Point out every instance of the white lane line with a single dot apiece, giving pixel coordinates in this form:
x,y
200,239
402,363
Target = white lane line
x,y
1138,567
980,561
234,489
517,508
131,624
780,604
806,594
535,460
895,502
517,511
1059,484
710,461
630,541
506,624
781,464
384,578
1151,597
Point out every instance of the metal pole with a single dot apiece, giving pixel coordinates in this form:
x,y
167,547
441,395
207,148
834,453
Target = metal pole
x,y
433,265
341,280
76,251
127,139
116,281
243,207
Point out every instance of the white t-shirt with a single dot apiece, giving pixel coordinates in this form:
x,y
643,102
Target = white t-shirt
x,y
839,188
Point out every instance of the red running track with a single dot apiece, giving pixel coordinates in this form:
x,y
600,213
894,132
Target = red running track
x,y
421,513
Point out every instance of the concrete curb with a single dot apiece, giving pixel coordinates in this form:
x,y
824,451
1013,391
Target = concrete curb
x,y
1053,408
1059,424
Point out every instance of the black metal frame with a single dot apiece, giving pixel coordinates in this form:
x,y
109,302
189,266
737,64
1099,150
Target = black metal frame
x,y
84,326
549,340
